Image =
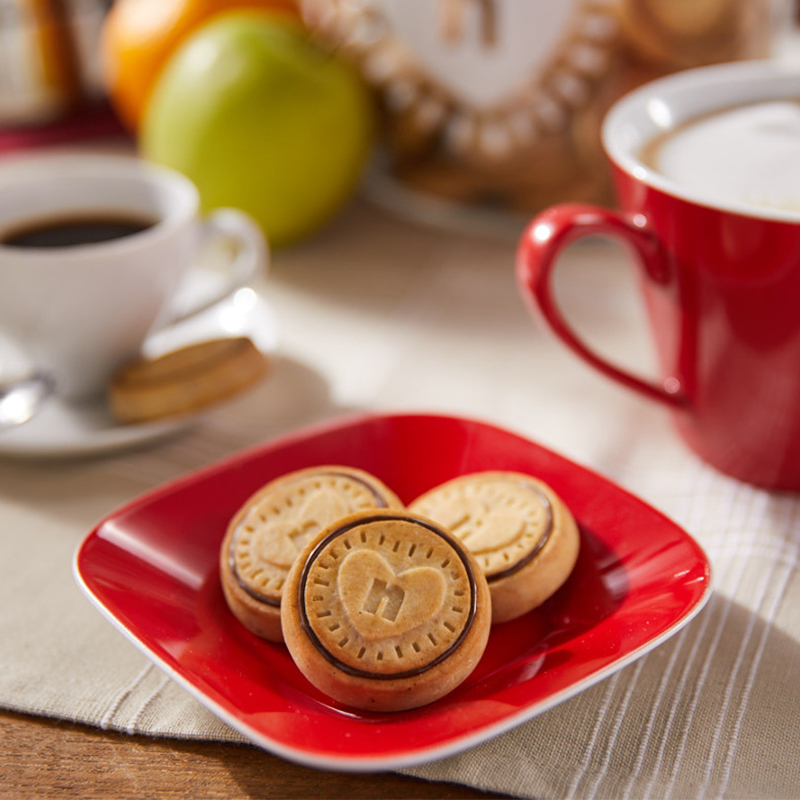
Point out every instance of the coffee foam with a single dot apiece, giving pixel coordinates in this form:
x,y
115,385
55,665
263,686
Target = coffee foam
x,y
747,155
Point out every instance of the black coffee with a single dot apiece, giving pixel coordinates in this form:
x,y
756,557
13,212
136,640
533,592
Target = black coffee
x,y
76,230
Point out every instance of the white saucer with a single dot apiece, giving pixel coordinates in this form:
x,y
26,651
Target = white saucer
x,y
63,429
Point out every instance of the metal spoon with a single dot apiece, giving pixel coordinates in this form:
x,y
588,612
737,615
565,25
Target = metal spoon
x,y
21,399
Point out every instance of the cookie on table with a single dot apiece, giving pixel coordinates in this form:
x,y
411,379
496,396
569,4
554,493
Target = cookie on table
x,y
268,532
522,535
386,611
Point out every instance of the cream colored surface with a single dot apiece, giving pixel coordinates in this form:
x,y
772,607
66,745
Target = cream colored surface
x,y
377,314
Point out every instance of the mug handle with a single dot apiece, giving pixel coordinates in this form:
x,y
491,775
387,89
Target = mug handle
x,y
252,254
547,235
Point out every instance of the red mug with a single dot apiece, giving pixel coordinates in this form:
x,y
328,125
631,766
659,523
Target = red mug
x,y
721,278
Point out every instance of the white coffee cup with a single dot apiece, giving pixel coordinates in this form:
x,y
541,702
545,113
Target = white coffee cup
x,y
78,312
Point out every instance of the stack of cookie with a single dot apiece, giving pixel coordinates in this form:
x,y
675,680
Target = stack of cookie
x,y
383,606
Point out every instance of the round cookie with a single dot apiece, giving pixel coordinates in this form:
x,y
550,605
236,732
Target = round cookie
x,y
386,611
520,532
268,532
185,380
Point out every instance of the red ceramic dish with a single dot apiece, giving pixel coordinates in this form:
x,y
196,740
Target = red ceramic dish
x,y
151,568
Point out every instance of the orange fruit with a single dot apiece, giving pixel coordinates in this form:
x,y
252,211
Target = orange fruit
x,y
139,36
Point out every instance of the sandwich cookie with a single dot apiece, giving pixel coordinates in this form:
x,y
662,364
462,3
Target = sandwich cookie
x,y
268,532
522,535
385,611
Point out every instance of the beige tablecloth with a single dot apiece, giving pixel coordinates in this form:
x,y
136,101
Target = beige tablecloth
x,y
378,314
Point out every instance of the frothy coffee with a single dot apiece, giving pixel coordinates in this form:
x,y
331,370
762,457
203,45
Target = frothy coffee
x,y
748,154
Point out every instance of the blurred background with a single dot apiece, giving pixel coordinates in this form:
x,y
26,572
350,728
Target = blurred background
x,y
437,108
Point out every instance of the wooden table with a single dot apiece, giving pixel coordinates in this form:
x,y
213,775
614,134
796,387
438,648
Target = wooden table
x,y
46,758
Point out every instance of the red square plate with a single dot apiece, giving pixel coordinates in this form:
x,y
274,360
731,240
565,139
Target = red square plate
x,y
151,568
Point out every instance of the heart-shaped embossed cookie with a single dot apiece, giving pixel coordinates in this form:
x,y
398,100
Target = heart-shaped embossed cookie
x,y
501,518
521,533
285,516
384,610
379,603
387,594
266,536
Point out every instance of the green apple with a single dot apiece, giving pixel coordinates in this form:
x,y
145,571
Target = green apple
x,y
262,119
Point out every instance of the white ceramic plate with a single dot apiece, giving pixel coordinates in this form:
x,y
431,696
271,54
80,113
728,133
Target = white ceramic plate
x,y
62,429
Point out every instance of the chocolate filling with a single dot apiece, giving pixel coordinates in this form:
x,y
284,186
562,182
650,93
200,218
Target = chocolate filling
x,y
360,673
548,529
380,502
